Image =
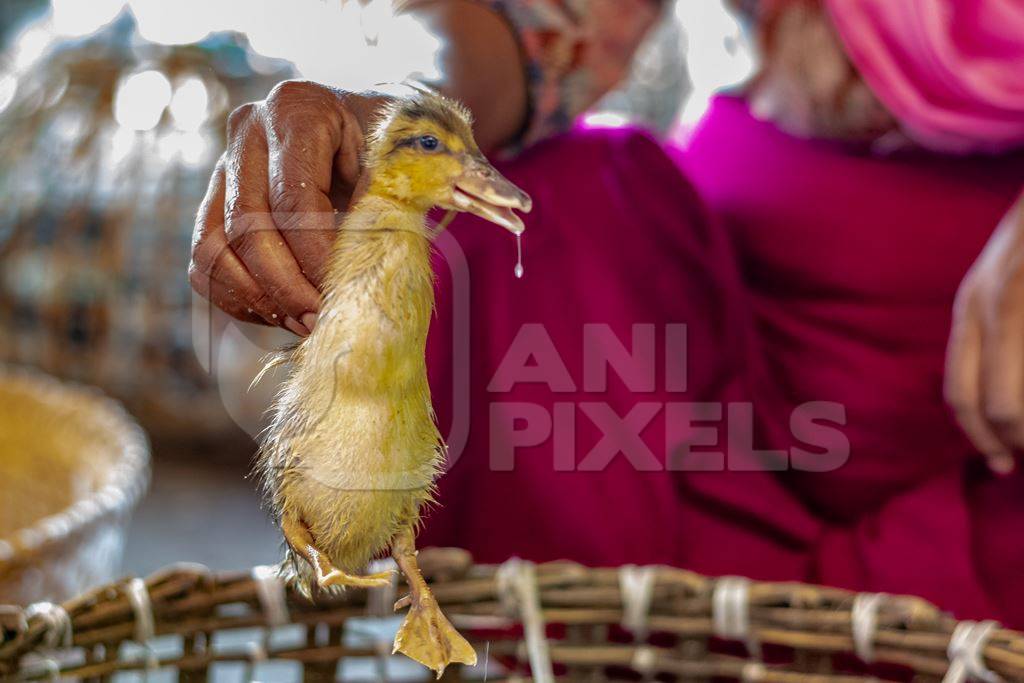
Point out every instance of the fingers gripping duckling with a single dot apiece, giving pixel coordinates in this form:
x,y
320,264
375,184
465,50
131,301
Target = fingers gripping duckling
x,y
353,451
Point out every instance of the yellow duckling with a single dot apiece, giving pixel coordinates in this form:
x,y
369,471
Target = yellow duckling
x,y
353,451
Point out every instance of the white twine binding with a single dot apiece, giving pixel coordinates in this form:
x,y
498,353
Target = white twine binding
x,y
864,618
145,622
517,588
58,634
966,653
753,672
384,654
380,604
637,587
35,665
270,591
57,621
644,660
730,612
258,652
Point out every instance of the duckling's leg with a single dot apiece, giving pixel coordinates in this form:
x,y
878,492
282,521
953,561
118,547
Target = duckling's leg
x,y
426,635
299,537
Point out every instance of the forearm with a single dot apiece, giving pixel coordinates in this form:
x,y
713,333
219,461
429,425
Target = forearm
x,y
573,57
480,64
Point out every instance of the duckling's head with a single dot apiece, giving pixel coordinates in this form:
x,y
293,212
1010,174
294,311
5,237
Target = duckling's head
x,y
423,154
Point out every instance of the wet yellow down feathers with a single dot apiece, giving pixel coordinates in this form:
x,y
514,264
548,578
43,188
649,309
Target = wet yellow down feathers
x,y
353,451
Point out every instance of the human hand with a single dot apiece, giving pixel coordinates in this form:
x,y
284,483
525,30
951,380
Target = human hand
x,y
265,227
984,381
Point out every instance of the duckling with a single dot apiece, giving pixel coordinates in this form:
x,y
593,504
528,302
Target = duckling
x,y
353,452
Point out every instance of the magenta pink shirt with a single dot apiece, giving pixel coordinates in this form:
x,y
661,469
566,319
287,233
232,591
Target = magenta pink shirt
x,y
805,272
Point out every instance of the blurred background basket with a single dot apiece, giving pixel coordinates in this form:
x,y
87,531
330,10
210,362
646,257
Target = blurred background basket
x,y
551,621
72,467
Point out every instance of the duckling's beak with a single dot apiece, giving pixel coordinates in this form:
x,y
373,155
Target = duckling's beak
x,y
482,191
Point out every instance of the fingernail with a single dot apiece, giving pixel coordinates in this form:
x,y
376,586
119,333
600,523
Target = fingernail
x,y
1002,465
309,320
296,327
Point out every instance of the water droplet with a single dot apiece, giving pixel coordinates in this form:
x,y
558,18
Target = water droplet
x,y
519,255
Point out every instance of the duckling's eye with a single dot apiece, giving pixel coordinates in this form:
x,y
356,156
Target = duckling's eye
x,y
429,143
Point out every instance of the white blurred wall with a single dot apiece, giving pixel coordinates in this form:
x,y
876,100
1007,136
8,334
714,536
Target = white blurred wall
x,y
698,49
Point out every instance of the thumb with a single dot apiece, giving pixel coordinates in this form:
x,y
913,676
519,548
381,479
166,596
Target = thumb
x,y
362,185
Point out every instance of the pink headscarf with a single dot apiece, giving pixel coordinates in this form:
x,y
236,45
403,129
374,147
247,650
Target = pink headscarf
x,y
952,71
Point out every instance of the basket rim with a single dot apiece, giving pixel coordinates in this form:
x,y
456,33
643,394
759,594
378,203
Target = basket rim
x,y
816,622
125,486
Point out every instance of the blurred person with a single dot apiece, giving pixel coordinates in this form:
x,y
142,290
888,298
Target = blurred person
x,y
109,141
841,240
13,13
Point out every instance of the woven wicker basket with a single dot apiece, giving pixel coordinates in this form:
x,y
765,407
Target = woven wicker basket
x,y
72,466
551,621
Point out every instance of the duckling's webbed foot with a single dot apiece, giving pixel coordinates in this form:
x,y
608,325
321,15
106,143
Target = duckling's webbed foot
x,y
300,539
426,634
